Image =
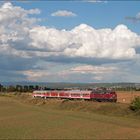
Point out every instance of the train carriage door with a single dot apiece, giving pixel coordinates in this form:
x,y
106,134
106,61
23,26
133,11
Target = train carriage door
x,y
81,95
69,94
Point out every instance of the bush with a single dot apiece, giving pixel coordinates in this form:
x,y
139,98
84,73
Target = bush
x,y
135,104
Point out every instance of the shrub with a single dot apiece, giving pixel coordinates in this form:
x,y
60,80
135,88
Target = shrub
x,y
135,104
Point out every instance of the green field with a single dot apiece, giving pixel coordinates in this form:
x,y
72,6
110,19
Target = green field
x,y
22,118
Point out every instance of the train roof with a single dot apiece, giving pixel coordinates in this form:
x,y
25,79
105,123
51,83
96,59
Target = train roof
x,y
100,91
66,91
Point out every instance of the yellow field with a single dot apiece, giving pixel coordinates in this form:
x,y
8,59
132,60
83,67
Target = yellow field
x,y
126,96
27,118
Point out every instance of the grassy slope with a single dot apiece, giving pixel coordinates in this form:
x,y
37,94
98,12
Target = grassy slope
x,y
23,120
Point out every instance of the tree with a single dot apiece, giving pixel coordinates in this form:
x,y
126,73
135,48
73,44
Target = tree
x,y
26,88
19,88
135,104
11,88
31,88
1,87
36,87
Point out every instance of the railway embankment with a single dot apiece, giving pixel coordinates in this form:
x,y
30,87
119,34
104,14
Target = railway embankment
x,y
106,108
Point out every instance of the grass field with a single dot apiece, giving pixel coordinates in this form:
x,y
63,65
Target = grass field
x,y
23,118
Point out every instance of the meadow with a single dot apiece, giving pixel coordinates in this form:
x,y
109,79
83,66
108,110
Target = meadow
x,y
22,117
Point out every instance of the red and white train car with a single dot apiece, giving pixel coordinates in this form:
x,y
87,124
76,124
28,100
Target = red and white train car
x,y
68,94
98,95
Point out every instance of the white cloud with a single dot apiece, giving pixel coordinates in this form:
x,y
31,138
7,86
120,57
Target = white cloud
x,y
24,44
98,78
95,1
95,72
138,15
15,25
20,34
16,14
63,13
135,18
93,69
87,42
34,75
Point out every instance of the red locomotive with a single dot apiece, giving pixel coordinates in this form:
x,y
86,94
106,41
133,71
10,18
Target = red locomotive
x,y
96,94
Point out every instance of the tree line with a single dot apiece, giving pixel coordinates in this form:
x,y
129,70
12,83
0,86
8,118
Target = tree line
x,y
22,88
31,88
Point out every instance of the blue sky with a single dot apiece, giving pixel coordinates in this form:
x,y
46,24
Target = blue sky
x,y
70,41
106,14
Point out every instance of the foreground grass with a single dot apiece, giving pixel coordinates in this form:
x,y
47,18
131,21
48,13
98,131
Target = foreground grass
x,y
62,120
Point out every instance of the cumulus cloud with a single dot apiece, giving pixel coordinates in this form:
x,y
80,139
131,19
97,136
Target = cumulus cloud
x,y
15,25
63,13
24,44
8,12
87,42
20,36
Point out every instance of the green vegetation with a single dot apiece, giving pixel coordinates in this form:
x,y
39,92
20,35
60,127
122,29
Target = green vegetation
x,y
22,117
29,87
135,104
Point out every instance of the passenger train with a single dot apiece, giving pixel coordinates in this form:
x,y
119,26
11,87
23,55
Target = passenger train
x,y
96,94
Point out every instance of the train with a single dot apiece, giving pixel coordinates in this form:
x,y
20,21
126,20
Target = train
x,y
100,95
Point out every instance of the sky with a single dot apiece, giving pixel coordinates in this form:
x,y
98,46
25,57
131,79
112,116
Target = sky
x,y
70,41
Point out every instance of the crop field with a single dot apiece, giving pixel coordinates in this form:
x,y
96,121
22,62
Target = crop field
x,y
22,117
127,96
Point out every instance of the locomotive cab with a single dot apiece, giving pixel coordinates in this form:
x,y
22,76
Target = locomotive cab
x,y
104,94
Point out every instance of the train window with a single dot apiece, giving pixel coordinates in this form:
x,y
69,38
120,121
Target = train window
x,y
100,91
74,94
85,94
